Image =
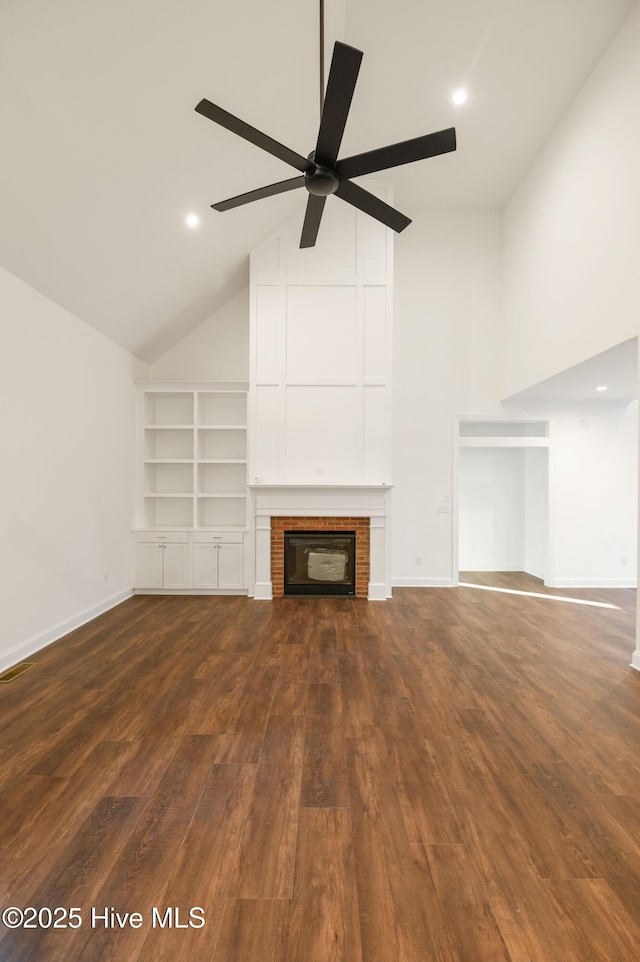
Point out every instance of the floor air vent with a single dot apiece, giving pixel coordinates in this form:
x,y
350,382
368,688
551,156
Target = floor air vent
x,y
15,672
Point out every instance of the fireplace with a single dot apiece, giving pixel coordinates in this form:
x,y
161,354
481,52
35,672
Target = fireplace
x,y
319,562
335,527
337,508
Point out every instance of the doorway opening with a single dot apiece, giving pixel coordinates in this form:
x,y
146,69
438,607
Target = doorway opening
x,y
503,498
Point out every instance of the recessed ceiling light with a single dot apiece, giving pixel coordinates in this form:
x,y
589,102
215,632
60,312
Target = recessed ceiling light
x,y
192,220
460,96
602,387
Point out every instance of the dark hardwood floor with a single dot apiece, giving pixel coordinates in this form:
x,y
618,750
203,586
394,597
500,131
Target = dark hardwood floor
x,y
452,775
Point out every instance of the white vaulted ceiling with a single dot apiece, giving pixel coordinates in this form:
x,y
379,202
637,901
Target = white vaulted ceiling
x,y
103,155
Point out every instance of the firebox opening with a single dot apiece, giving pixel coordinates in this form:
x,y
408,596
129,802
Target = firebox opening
x,y
319,562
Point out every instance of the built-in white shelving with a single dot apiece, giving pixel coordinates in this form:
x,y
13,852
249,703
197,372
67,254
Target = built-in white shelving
x,y
194,456
192,488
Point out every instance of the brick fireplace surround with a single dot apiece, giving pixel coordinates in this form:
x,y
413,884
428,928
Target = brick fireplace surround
x,y
282,523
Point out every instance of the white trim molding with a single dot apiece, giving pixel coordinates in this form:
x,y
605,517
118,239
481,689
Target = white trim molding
x,y
408,581
45,638
263,590
594,583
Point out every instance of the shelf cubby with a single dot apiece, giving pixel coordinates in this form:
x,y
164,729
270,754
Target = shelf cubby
x,y
168,478
217,511
222,408
222,443
222,478
168,511
170,407
168,444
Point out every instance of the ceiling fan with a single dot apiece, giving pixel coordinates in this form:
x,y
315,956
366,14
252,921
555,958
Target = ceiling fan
x,y
321,172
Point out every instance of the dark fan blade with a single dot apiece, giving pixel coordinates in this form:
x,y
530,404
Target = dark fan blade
x,y
312,217
431,145
225,119
343,74
372,205
258,194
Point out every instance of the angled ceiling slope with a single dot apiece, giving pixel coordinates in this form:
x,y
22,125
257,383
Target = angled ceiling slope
x,y
103,156
615,369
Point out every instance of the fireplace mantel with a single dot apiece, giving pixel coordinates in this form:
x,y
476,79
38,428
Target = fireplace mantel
x,y
322,501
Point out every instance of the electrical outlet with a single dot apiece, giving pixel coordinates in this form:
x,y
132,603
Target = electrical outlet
x,y
624,560
106,576
419,560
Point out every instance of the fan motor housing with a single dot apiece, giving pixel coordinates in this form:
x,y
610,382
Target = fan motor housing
x,y
321,181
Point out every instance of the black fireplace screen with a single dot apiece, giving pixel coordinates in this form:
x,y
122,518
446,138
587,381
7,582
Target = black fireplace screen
x,y
319,563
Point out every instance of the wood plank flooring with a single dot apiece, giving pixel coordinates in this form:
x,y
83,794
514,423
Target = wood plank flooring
x,y
449,776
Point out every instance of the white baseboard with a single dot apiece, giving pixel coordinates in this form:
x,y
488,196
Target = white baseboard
x,y
29,647
635,660
263,591
594,583
203,592
410,582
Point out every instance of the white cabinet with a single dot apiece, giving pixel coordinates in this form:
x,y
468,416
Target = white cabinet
x,y
230,566
149,565
217,560
162,561
175,565
190,562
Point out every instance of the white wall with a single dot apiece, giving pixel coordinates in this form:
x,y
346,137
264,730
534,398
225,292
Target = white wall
x,y
447,298
503,509
491,509
217,350
536,511
571,266
566,514
67,428
635,657
571,229
593,495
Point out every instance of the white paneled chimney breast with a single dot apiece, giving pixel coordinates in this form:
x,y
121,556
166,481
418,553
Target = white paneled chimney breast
x,y
320,380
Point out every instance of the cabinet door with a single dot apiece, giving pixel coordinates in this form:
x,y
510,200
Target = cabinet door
x,y
204,569
176,565
149,558
230,566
